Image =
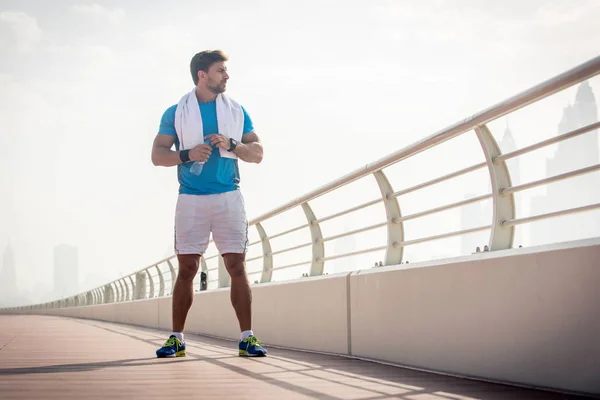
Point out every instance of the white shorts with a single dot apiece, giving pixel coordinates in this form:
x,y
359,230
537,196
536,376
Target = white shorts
x,y
223,214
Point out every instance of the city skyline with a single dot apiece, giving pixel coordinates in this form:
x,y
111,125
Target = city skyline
x,y
585,188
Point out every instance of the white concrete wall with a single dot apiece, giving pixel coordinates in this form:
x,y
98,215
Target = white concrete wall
x,y
517,316
526,316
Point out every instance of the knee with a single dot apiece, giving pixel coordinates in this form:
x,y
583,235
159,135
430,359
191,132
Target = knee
x,y
188,270
236,269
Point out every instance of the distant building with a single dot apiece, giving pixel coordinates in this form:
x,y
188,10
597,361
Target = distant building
x,y
575,153
8,278
66,271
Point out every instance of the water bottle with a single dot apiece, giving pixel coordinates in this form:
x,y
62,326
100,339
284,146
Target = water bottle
x,y
197,166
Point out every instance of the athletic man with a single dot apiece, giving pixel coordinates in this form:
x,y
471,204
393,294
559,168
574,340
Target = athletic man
x,y
208,144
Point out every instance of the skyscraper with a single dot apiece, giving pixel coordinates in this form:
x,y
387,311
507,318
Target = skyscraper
x,y
66,271
575,153
8,278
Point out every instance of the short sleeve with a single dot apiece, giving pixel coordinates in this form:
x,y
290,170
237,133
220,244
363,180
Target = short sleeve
x,y
167,122
248,125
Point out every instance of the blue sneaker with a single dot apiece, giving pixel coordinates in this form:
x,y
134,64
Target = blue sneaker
x,y
250,347
172,347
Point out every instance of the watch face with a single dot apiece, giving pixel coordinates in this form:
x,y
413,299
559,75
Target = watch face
x,y
232,144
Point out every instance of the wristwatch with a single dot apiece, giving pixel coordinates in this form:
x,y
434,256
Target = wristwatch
x,y
232,144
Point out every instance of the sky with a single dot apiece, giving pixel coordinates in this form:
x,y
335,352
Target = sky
x,y
330,86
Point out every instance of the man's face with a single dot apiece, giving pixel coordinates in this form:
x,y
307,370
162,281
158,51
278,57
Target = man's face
x,y
217,77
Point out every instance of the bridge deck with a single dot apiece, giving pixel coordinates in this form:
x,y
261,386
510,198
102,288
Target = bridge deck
x,y
60,358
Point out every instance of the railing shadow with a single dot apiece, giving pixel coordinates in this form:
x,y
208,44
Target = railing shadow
x,y
83,367
331,377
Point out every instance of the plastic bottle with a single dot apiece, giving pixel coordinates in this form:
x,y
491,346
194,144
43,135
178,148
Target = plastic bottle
x,y
197,166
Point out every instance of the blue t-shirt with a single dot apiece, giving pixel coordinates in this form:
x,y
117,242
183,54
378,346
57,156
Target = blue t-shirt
x,y
219,174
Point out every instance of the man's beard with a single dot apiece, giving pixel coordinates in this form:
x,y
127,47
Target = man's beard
x,y
217,88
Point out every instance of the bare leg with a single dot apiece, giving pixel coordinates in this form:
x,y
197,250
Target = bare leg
x,y
183,293
241,295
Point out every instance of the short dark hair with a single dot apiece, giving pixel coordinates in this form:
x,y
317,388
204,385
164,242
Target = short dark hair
x,y
203,60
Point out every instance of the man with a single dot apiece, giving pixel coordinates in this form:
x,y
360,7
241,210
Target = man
x,y
210,132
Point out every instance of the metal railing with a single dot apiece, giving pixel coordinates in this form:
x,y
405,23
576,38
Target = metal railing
x,y
157,280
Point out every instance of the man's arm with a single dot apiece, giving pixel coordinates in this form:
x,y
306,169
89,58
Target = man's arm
x,y
251,149
163,156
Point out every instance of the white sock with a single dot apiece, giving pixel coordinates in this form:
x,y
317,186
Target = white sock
x,y
178,335
245,334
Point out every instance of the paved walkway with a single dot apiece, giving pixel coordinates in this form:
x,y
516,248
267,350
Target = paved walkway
x,y
60,358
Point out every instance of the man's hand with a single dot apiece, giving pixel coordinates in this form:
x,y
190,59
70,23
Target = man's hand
x,y
219,140
200,152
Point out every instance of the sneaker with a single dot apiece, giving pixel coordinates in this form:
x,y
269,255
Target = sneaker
x,y
172,347
250,347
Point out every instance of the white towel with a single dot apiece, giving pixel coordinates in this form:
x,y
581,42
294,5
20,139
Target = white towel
x,y
188,121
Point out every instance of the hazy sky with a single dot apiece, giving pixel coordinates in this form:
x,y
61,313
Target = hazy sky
x,y
330,86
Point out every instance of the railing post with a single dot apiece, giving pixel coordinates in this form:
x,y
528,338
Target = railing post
x,y
140,285
173,276
395,228
115,291
151,280
224,278
267,271
133,289
501,237
161,282
108,294
121,296
318,246
126,289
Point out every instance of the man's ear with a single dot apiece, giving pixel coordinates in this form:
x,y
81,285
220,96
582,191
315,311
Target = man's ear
x,y
201,74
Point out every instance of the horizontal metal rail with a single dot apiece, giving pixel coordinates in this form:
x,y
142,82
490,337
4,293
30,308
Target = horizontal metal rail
x,y
442,208
354,232
300,246
551,179
349,210
254,259
288,231
291,265
518,221
442,236
355,253
438,180
548,142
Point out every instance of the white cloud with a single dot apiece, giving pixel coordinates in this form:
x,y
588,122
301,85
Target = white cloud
x,y
100,14
21,29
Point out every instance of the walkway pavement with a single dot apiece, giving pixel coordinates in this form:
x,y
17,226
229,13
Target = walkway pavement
x,y
45,357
